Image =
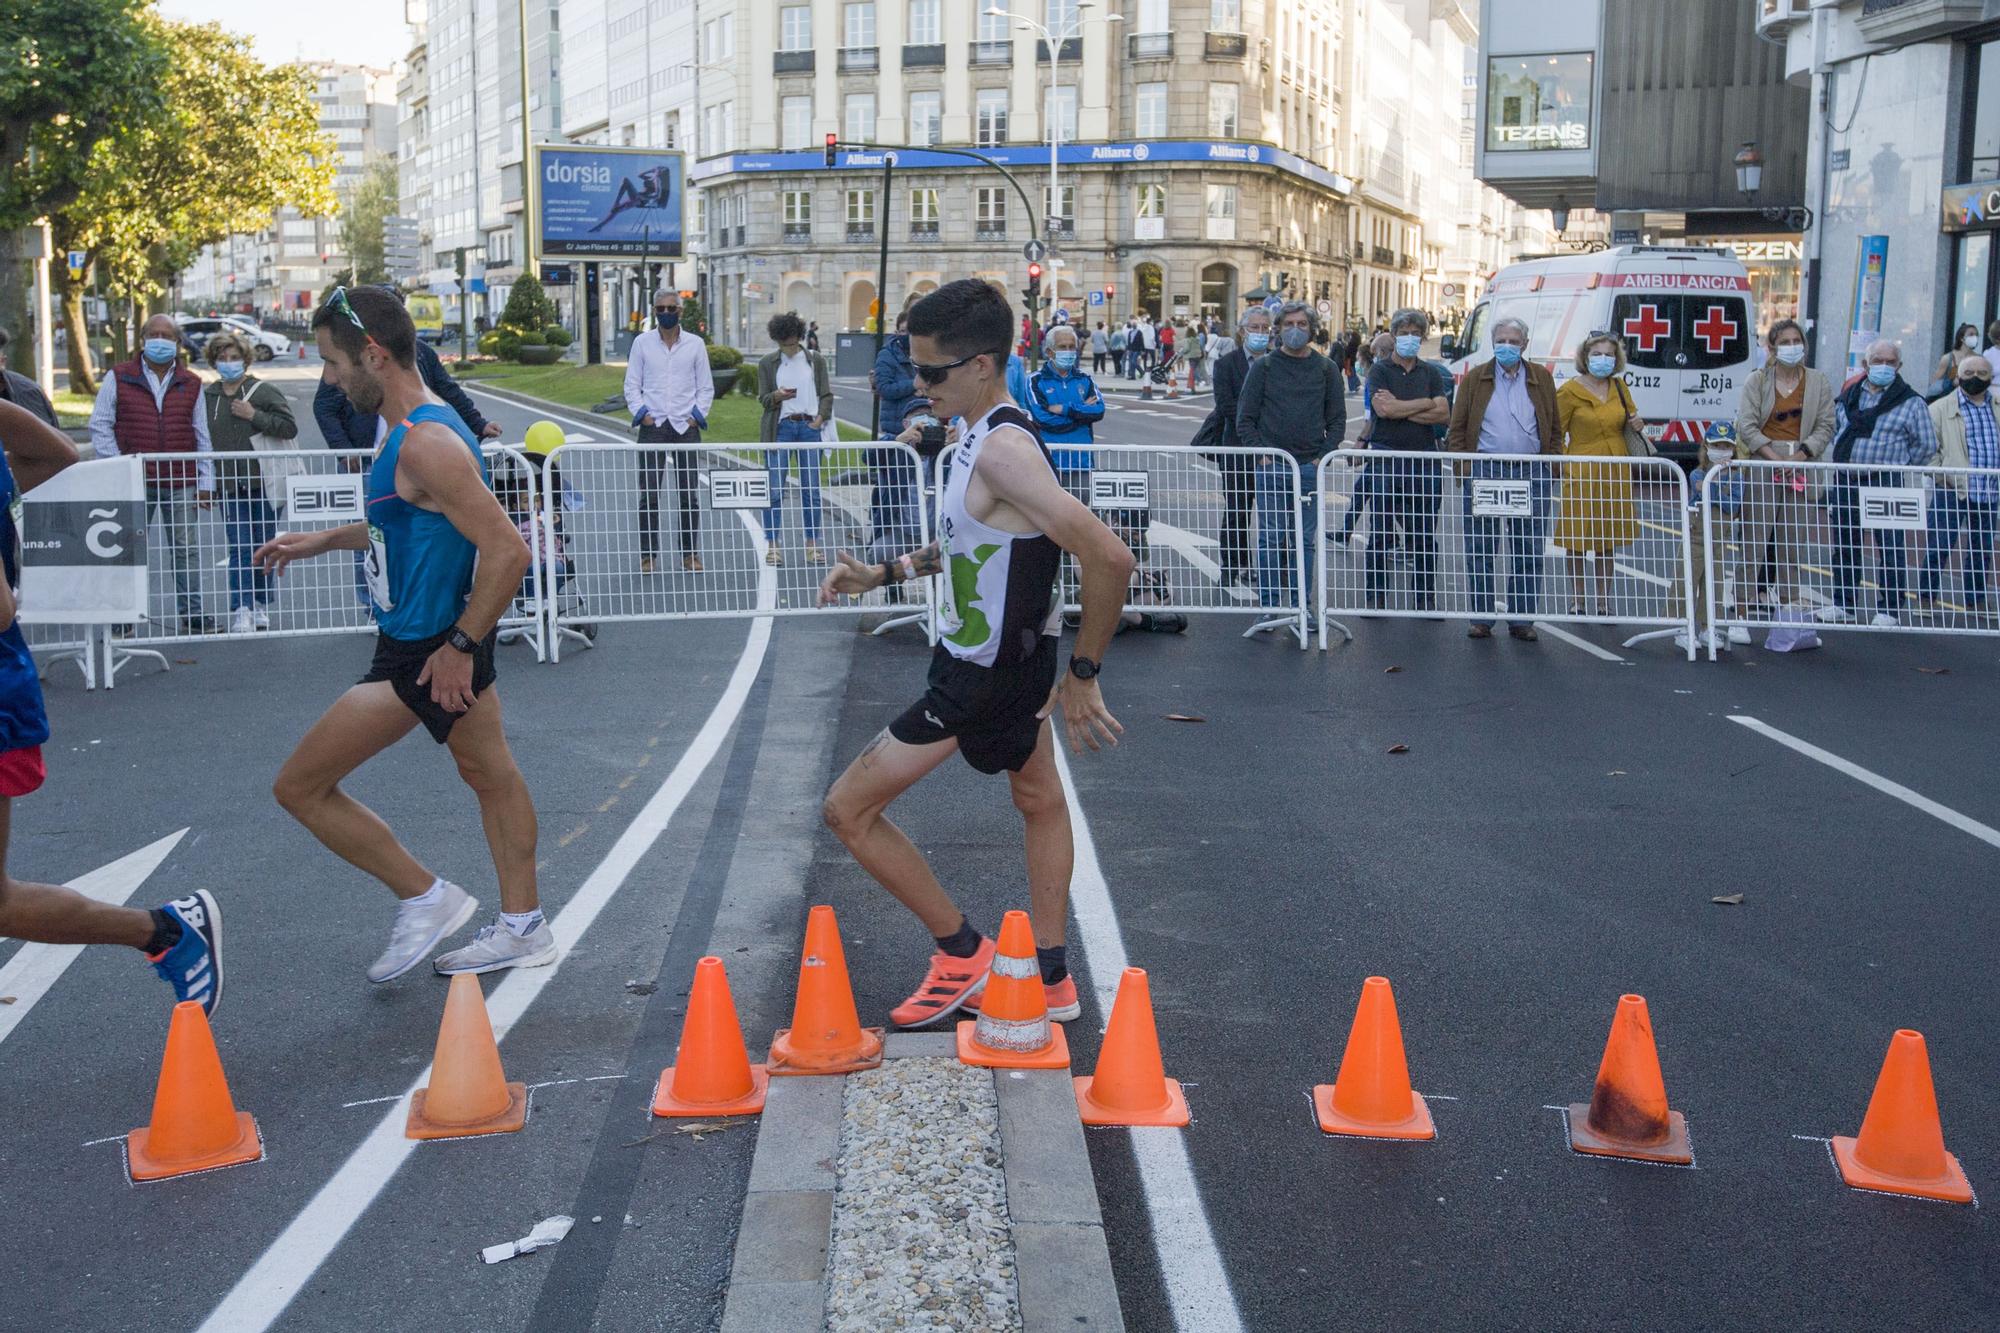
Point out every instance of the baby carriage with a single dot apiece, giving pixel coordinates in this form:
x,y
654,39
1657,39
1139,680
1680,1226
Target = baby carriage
x,y
541,528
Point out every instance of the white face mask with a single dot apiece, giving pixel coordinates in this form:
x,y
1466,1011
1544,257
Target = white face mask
x,y
1792,354
1970,342
1720,455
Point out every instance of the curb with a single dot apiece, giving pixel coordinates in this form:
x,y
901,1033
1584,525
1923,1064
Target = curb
x,y
1062,1267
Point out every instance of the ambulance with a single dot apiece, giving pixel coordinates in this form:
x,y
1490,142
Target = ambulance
x,y
1684,313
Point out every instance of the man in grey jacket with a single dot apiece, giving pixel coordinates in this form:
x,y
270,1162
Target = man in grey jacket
x,y
1292,400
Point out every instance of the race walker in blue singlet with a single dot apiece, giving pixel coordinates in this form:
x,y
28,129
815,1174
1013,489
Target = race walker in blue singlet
x,y
419,566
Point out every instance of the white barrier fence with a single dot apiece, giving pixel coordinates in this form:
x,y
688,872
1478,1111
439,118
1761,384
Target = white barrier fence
x,y
1846,546
1484,538
1217,531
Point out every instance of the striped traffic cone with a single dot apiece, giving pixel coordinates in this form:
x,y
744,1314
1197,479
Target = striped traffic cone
x,y
1013,1030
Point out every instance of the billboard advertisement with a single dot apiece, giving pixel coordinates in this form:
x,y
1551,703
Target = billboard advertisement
x,y
609,203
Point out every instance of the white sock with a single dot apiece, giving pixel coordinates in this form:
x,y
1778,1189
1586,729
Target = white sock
x,y
522,924
429,897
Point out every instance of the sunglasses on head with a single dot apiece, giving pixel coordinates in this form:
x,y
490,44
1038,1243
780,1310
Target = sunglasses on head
x,y
937,374
337,299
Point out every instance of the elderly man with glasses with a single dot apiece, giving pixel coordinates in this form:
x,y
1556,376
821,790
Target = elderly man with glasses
x,y
669,391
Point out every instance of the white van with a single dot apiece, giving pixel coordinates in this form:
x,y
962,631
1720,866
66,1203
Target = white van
x,y
1684,313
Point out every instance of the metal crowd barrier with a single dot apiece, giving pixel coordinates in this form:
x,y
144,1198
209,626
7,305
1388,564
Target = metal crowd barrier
x,y
1844,546
1585,540
688,532
1215,531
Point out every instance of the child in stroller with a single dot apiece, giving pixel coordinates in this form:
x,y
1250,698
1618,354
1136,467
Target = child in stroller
x,y
540,524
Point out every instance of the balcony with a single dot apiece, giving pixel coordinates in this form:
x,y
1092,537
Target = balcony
x,y
742,235
1900,22
924,57
798,231
988,55
990,231
1150,46
791,62
1071,49
1061,229
858,232
1384,256
860,59
924,231
1225,46
1408,263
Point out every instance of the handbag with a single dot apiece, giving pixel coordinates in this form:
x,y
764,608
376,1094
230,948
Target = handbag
x,y
275,465
1636,443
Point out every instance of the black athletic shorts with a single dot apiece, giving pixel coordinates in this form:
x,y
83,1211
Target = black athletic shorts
x,y
401,661
990,710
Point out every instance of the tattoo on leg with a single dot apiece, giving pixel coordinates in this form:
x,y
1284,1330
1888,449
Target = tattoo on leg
x,y
868,755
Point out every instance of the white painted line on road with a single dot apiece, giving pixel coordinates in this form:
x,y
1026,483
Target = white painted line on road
x,y
1188,544
261,1295
35,968
1964,823
1190,1265
1576,642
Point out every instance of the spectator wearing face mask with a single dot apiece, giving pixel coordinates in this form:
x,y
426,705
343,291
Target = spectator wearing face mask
x,y
1292,400
1880,425
1964,503
1964,343
1598,511
1784,416
241,409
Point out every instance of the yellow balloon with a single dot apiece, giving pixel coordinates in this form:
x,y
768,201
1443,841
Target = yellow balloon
x,y
543,437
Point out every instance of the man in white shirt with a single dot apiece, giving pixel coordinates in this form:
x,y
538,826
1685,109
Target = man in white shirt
x,y
669,391
152,405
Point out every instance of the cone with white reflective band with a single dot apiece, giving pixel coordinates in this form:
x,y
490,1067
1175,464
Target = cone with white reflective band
x,y
1013,1030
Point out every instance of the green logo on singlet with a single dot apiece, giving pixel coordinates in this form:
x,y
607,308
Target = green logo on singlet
x,y
973,627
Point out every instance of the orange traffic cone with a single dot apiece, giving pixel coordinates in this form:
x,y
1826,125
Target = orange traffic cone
x,y
1131,1086
1013,1030
712,1073
826,1036
196,1126
469,1092
1901,1146
1371,1097
1628,1115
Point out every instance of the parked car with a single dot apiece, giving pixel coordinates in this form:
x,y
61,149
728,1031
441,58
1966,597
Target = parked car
x,y
196,329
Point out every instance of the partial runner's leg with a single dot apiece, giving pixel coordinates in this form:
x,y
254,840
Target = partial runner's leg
x,y
479,744
362,723
1038,795
854,810
47,914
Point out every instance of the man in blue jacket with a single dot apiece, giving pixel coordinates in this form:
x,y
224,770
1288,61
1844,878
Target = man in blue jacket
x,y
893,502
1065,405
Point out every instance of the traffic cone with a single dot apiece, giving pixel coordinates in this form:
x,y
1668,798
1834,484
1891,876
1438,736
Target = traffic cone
x,y
195,1126
711,1073
469,1092
1627,1115
1013,1030
1900,1149
826,1036
302,350
1371,1097
1130,1086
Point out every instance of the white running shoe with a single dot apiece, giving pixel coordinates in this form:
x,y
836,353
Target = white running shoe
x,y
260,618
1833,614
1884,620
495,947
240,622
1739,635
419,929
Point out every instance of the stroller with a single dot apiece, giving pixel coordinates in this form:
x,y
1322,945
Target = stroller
x,y
541,527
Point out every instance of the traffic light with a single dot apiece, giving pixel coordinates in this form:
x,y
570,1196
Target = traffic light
x,y
1033,291
832,141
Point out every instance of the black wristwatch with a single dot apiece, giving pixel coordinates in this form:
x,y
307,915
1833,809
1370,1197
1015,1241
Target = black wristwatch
x,y
462,641
1084,669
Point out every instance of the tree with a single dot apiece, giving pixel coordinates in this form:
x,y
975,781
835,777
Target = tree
x,y
229,141
694,316
363,220
72,72
528,306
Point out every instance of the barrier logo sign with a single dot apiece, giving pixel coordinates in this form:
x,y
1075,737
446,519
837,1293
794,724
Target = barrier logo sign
x,y
83,545
609,203
88,533
324,499
1892,508
1119,490
729,489
1499,497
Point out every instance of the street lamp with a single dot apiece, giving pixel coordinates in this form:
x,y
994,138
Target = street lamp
x,y
1559,216
1749,162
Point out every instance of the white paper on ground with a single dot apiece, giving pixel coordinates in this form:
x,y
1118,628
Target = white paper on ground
x,y
546,1233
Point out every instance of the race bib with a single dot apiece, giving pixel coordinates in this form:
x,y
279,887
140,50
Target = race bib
x,y
376,566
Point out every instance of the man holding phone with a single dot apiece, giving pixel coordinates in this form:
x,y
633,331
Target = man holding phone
x,y
669,391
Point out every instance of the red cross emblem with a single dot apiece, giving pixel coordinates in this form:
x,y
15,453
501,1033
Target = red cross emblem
x,y
1715,330
1646,328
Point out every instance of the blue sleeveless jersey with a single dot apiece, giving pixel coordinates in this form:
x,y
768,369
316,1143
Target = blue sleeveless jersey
x,y
23,722
419,566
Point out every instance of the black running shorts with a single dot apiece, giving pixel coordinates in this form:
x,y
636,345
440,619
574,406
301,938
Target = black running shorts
x,y
989,710
401,661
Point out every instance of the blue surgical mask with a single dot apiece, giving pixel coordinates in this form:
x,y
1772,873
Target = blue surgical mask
x,y
1507,355
161,351
1602,365
1881,376
1408,345
1257,342
231,371
1064,360
1294,339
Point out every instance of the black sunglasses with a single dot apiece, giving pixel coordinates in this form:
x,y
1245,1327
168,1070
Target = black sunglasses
x,y
937,374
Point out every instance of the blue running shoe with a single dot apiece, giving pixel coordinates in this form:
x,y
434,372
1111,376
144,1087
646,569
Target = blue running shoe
x,y
193,967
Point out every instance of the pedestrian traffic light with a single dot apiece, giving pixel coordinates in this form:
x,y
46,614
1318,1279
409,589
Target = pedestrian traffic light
x,y
832,141
1034,289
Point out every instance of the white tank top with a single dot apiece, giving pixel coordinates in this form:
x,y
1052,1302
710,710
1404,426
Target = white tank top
x,y
999,587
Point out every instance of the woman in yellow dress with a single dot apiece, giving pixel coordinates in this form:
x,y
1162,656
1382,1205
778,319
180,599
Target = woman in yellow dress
x,y
1597,513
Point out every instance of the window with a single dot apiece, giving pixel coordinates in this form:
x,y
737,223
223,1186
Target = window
x,y
719,127
1222,212
858,117
1150,201
1150,118
1061,113
1538,102
798,211
1225,15
924,27
1060,208
924,208
861,212
1060,17
718,40
990,208
990,129
1222,110
860,20
926,118
993,26
795,124
1153,17
795,28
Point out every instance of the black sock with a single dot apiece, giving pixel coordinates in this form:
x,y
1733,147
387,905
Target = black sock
x,y
963,942
1054,961
166,932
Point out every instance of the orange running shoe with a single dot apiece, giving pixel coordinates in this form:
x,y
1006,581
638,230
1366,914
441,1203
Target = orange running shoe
x,y
1060,997
947,987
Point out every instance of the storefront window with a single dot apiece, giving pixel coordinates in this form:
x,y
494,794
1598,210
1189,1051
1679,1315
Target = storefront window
x,y
1972,279
1538,102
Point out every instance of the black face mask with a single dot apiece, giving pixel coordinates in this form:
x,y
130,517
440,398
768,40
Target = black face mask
x,y
667,317
1974,385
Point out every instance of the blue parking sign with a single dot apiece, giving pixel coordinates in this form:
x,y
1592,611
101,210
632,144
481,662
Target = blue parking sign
x,y
1097,298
